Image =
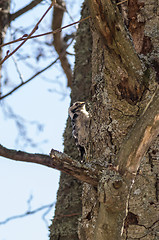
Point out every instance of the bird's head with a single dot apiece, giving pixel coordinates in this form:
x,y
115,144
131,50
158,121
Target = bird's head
x,y
76,107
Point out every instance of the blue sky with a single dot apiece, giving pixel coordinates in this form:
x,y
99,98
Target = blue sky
x,y
35,102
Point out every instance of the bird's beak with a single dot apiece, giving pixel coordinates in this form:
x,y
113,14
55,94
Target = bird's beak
x,y
82,103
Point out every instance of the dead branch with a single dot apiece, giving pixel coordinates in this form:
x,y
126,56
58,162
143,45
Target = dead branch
x,y
57,160
139,140
25,9
59,43
32,32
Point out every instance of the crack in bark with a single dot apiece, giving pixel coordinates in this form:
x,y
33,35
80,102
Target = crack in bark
x,y
157,187
149,229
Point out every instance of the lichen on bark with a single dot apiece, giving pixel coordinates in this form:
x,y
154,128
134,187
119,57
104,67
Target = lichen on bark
x,y
69,196
122,87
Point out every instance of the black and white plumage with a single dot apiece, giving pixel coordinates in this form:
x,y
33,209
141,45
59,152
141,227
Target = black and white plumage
x,y
80,125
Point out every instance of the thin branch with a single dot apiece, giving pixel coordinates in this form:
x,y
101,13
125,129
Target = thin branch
x,y
43,34
140,138
23,83
25,9
57,160
32,32
35,75
17,68
28,212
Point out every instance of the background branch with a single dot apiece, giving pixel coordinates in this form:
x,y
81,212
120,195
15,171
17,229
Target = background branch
x,y
25,9
44,34
32,32
28,212
31,78
59,43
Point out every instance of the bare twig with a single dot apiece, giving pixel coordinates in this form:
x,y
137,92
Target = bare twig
x,y
34,30
23,83
25,9
17,68
27,213
22,138
44,34
35,75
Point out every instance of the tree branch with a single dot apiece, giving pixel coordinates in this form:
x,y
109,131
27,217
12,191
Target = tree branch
x,y
59,43
140,138
110,27
32,32
23,83
28,213
84,172
44,34
51,64
25,9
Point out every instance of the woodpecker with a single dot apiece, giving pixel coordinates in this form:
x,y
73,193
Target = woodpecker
x,y
80,126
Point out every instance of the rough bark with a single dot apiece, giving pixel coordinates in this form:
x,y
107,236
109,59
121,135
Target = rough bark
x,y
123,104
123,87
68,206
120,93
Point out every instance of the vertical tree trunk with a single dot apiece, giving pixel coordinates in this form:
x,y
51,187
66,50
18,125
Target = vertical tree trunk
x,y
68,206
123,83
4,22
124,80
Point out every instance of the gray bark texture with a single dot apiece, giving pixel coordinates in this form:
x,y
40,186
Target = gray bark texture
x,y
121,88
69,205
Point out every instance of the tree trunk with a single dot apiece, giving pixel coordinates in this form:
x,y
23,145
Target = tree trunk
x,y
68,206
4,22
124,80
